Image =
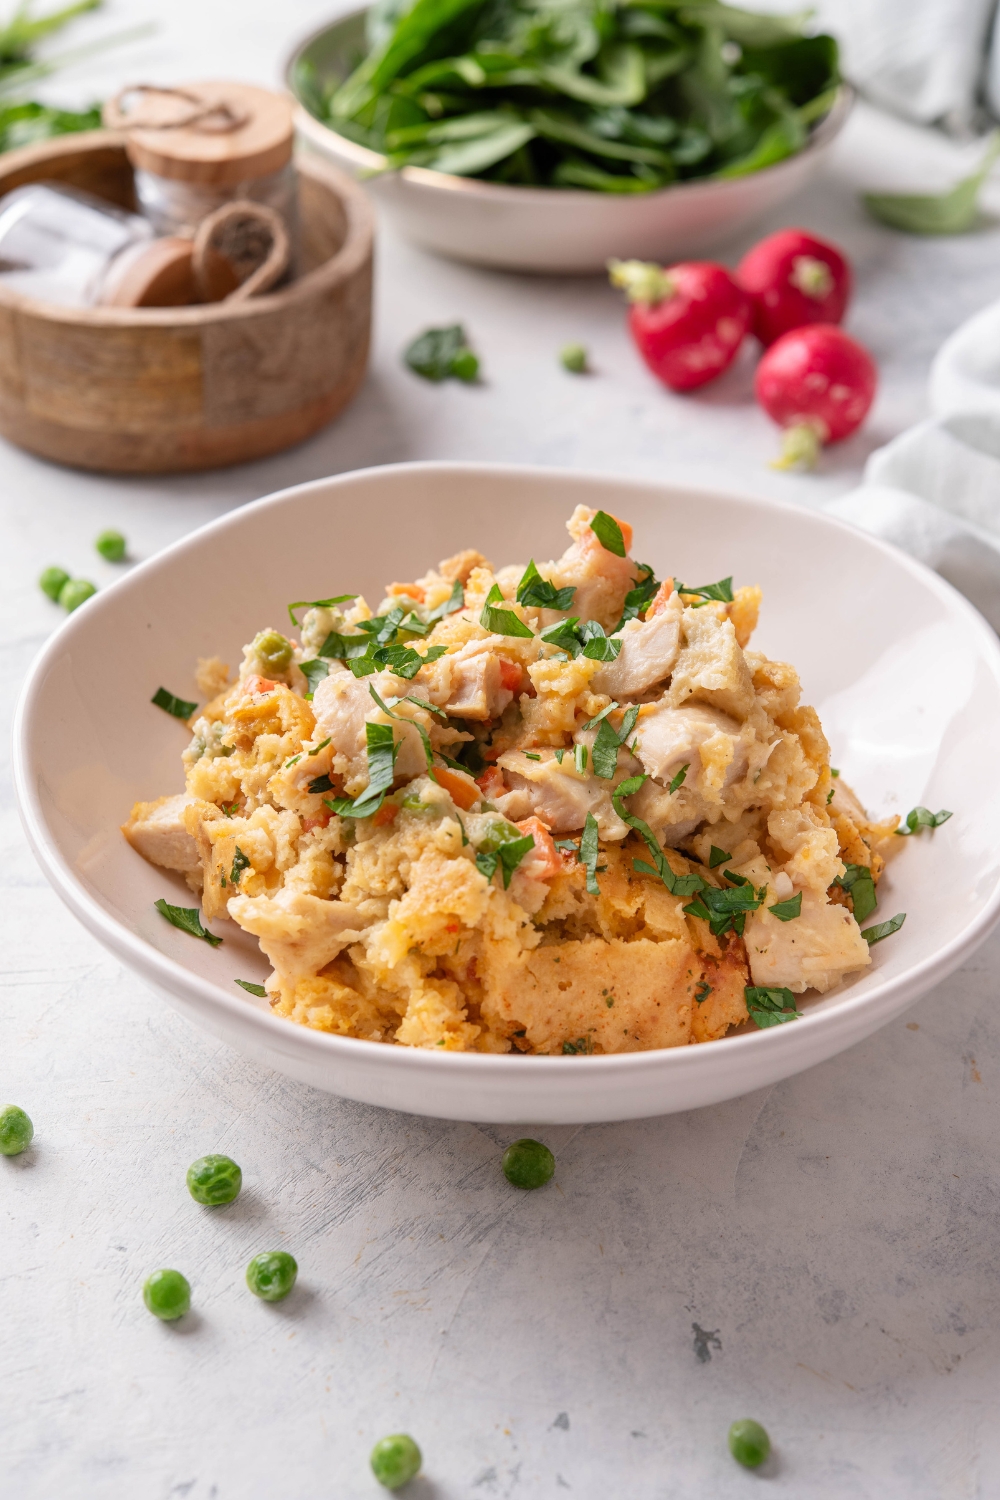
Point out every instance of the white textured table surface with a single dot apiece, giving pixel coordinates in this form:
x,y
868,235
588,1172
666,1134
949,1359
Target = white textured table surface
x,y
821,1256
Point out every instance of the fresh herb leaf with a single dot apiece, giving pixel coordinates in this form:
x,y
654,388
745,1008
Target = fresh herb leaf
x,y
317,604
240,863
339,647
597,646
502,621
726,909
382,750
604,755
883,929
917,818
293,762
770,1006
187,919
588,853
952,212
563,635
593,723
508,855
405,719
703,991
537,592
717,857
722,591
321,784
440,353
677,885
315,749
454,602
583,1046
530,755
252,989
640,597
608,533
313,671
786,910
559,755
677,781
180,708
628,723
570,845
580,758
857,881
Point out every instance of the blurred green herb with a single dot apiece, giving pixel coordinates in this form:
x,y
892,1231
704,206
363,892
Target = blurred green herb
x,y
952,212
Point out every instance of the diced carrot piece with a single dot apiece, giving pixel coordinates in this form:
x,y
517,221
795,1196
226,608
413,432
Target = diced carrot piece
x,y
491,783
254,685
543,861
462,790
385,814
319,821
510,675
659,600
409,590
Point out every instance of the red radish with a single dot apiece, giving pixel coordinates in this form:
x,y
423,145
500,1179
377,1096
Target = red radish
x,y
688,321
794,279
818,384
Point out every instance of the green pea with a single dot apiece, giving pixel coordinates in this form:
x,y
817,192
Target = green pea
x,y
52,581
214,1180
465,366
749,1443
396,1460
271,1275
16,1130
111,545
272,650
528,1164
574,359
167,1294
74,592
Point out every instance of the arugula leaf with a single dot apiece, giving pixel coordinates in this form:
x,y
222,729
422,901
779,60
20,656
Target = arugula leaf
x,y
717,857
252,989
677,781
441,353
857,881
539,593
180,708
608,533
723,591
502,621
770,1006
786,910
588,853
318,604
313,671
883,929
920,817
187,919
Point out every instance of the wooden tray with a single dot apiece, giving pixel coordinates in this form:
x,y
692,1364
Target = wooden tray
x,y
158,390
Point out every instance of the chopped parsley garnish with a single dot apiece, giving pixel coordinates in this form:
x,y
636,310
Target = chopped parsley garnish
x,y
382,751
404,719
530,755
508,854
608,533
596,645
240,863
857,881
313,671
834,772
456,600
338,647
580,758
315,749
588,853
604,755
725,910
171,704
677,885
883,929
536,592
786,910
430,708
187,919
440,353
829,795
252,989
717,857
677,781
583,1046
563,635
703,991
593,723
502,621
321,784
917,818
318,604
568,844
559,755
638,598
723,591
293,762
770,1007
402,661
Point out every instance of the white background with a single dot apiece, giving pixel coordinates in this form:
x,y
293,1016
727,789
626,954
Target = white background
x,y
836,1234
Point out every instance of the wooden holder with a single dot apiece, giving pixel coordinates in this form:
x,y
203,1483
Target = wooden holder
x,y
161,390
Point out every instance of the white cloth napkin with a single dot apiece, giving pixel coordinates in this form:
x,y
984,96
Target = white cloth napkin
x,y
935,490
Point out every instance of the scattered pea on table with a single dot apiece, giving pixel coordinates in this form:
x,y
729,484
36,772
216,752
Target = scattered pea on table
x,y
214,1180
574,359
271,1275
167,1294
396,1460
528,1164
74,592
52,581
749,1443
16,1130
112,546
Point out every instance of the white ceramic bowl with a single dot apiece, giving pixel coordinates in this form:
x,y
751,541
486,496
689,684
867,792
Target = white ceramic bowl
x,y
546,229
904,672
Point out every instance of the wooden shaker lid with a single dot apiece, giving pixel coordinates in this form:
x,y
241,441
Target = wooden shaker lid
x,y
252,135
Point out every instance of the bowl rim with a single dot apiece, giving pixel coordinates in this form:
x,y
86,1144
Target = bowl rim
x,y
364,160
167,974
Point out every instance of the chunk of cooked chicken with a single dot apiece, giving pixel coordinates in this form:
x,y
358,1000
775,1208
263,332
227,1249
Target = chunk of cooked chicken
x,y
669,738
812,951
711,667
600,578
299,934
343,704
156,831
477,690
649,651
557,794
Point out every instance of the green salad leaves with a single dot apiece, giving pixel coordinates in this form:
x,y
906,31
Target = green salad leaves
x,y
619,97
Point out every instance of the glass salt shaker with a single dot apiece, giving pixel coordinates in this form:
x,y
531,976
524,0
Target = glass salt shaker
x,y
65,246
